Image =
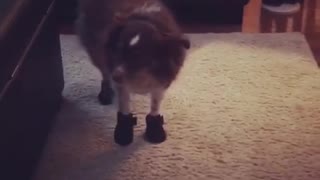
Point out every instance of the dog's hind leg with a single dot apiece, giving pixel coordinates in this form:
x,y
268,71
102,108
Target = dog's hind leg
x,y
106,93
99,60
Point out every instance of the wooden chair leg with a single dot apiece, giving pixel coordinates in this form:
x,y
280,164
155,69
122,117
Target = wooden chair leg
x,y
251,17
308,16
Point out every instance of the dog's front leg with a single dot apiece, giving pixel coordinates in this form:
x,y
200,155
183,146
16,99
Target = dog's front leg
x,y
123,134
123,99
155,132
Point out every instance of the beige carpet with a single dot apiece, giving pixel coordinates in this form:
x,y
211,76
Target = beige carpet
x,y
245,107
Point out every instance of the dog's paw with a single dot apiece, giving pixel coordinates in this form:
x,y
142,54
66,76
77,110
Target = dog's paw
x,y
123,134
155,133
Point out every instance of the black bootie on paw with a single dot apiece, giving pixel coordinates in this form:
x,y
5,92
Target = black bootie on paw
x,y
155,132
123,134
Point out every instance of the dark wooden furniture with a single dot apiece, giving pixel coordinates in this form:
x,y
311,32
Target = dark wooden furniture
x,y
186,11
208,11
31,83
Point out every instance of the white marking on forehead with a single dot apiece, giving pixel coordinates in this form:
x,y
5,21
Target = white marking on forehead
x,y
135,40
153,8
149,8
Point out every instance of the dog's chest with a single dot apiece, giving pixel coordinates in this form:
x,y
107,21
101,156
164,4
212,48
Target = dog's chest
x,y
142,83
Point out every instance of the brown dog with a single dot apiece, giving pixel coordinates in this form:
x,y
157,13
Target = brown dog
x,y
139,48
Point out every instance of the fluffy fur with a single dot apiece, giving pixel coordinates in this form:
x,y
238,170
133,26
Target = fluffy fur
x,y
136,44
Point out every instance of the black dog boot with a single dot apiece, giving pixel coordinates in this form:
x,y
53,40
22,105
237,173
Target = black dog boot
x,y
123,134
155,132
106,93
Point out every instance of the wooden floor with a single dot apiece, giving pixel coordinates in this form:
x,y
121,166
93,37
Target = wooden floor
x,y
257,20
307,21
312,38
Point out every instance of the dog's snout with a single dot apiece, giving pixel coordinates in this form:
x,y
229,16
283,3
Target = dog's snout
x,y
118,74
117,78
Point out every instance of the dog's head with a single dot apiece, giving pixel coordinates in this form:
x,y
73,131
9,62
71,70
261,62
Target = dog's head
x,y
139,46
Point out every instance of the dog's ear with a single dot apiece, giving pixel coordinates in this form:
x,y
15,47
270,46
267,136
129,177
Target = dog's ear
x,y
114,37
119,18
177,39
118,25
